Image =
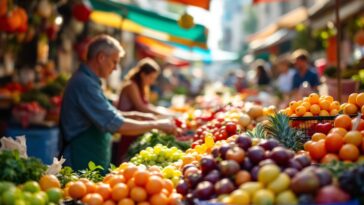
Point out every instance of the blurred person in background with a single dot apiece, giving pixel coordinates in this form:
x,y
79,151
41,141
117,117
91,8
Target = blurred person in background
x,y
262,75
134,96
285,75
304,72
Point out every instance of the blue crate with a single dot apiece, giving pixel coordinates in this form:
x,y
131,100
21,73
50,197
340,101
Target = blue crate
x,y
42,143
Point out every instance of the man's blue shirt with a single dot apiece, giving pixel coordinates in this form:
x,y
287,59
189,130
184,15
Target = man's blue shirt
x,y
84,105
311,77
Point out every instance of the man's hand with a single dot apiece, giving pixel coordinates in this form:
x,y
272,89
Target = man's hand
x,y
167,126
139,115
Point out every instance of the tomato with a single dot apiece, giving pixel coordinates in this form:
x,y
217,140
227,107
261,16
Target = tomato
x,y
231,128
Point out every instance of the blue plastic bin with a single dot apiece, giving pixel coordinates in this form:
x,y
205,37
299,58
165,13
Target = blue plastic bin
x,y
42,143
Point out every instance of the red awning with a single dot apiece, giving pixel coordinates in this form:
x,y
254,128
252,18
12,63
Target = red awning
x,y
205,4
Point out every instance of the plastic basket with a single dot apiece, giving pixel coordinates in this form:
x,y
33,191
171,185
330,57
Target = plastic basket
x,y
308,124
352,202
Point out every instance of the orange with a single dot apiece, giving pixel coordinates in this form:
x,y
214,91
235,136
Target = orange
x,y
90,186
335,105
158,199
126,201
329,98
341,131
334,112
307,145
119,191
307,105
129,172
353,137
305,99
360,99
343,121
175,199
324,105
317,150
308,114
104,190
350,109
154,185
334,142
138,194
329,157
143,203
314,98
141,177
49,181
107,178
94,199
115,180
187,159
300,110
342,106
109,202
362,110
168,185
315,109
131,183
318,136
324,113
241,177
77,190
154,168
352,98
86,198
293,105
349,152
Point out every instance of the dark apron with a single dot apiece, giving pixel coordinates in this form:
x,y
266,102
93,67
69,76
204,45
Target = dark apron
x,y
91,145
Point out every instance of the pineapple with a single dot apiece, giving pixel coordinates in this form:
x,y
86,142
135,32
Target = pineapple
x,y
258,132
279,128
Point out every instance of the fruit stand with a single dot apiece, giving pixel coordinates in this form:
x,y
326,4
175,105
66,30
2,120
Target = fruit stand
x,y
236,153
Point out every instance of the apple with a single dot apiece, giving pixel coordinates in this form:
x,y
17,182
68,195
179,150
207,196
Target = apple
x,y
193,180
293,163
269,144
244,141
324,176
213,176
207,163
190,169
182,188
291,171
323,127
303,159
280,155
204,190
331,194
224,186
223,149
236,153
254,173
265,162
229,167
247,164
256,154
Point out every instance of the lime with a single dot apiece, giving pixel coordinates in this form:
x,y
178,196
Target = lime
x,y
20,202
37,199
54,195
9,197
31,186
4,186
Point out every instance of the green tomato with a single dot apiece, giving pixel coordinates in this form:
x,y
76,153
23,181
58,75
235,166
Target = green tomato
x,y
5,186
9,197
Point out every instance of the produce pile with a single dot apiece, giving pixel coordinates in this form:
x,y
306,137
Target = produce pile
x,y
239,154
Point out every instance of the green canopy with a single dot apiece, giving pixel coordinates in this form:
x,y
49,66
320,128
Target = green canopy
x,y
152,20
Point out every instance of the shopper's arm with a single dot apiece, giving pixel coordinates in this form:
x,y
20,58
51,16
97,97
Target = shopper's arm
x,y
133,127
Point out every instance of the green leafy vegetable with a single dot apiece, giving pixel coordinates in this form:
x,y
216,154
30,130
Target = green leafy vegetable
x,y
19,170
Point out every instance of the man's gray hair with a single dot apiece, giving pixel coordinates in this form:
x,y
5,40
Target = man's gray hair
x,y
104,43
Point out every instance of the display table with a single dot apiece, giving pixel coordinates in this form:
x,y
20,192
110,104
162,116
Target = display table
x,y
42,142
